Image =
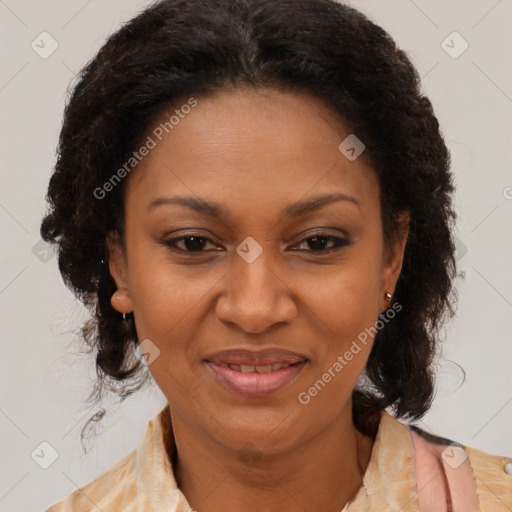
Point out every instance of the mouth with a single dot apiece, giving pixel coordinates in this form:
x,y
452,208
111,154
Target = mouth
x,y
248,368
256,374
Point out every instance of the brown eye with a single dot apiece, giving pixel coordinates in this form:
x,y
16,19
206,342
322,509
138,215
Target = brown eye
x,y
189,243
324,243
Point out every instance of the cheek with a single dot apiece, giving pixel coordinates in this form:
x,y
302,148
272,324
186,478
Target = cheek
x,y
166,295
345,304
169,301
345,298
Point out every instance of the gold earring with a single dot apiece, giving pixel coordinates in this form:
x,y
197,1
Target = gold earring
x,y
387,296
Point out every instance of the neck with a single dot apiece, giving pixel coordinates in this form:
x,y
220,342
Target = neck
x,y
323,473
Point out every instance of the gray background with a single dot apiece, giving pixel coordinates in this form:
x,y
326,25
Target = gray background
x,y
44,379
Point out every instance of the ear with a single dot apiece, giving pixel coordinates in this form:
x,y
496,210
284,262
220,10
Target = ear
x,y
121,300
393,258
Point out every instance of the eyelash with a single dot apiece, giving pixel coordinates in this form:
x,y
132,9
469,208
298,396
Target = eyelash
x,y
338,243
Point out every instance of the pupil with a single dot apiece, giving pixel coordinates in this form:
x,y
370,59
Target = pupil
x,y
194,242
313,242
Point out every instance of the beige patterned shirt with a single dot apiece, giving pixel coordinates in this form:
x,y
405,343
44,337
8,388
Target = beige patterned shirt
x,y
407,472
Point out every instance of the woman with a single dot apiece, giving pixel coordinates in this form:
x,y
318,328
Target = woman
x,y
256,195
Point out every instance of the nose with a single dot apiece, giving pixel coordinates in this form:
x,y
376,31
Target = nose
x,y
256,295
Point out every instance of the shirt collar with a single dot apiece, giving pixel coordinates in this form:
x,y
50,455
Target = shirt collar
x,y
389,482
157,489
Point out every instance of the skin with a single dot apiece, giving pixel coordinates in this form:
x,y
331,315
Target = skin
x,y
255,152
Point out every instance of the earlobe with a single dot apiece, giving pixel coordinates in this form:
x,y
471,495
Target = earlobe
x,y
121,301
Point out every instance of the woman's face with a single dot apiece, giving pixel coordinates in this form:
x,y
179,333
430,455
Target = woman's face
x,y
269,274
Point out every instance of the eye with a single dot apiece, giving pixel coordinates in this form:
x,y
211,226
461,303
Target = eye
x,y
195,243
189,243
323,242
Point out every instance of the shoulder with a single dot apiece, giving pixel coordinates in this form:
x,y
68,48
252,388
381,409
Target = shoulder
x,y
475,479
114,490
493,475
140,481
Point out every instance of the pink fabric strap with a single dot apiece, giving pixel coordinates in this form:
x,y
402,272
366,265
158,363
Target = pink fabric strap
x,y
444,477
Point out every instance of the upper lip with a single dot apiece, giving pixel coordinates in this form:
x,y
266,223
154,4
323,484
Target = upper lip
x,y
255,357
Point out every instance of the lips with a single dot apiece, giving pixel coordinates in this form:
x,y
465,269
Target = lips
x,y
263,357
255,373
249,368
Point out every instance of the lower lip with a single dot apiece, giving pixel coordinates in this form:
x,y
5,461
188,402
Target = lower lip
x,y
255,384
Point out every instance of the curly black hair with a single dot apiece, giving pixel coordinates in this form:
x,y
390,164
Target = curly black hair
x,y
176,49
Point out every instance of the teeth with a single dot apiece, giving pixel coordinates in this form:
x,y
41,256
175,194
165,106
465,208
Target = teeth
x,y
247,368
278,366
264,369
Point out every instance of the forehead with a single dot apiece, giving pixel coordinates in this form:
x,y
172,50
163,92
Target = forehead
x,y
250,148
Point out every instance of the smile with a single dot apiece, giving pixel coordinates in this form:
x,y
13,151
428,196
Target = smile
x,y
255,380
246,368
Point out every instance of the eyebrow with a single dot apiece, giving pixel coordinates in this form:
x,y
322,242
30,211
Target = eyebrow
x,y
212,209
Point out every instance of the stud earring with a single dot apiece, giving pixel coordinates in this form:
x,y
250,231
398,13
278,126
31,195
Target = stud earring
x,y
387,296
